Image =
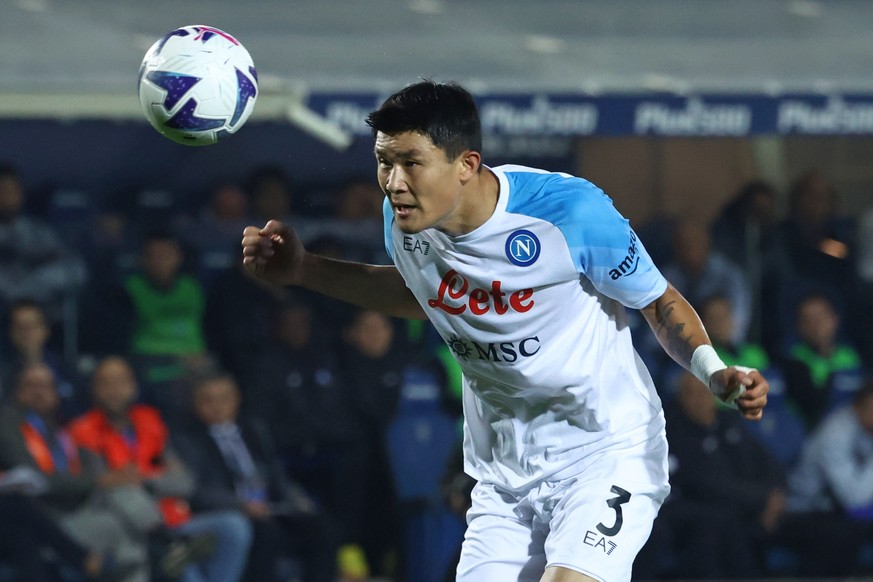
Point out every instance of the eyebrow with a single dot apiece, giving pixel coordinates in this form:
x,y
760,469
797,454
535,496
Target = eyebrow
x,y
411,153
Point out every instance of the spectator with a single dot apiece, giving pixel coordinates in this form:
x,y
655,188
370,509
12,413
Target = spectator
x,y
271,192
783,429
863,324
35,263
294,384
813,246
835,472
133,437
166,336
29,335
744,232
356,222
237,469
717,315
29,532
111,249
729,498
820,370
745,227
214,234
372,366
97,508
723,486
699,272
239,318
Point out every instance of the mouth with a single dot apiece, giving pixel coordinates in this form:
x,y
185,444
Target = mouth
x,y
402,210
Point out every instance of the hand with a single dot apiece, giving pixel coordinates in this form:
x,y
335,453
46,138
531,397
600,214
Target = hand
x,y
127,475
257,509
23,479
754,388
773,510
273,253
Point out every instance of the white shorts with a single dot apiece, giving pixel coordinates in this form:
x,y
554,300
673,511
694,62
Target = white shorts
x,y
594,523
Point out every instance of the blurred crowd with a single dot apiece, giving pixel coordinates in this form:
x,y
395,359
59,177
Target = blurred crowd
x,y
165,416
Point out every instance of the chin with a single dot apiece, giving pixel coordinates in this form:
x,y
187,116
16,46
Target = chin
x,y
408,228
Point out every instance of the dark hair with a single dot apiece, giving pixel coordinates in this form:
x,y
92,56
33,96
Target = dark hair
x,y
444,112
18,375
265,174
740,204
814,295
800,187
212,374
8,170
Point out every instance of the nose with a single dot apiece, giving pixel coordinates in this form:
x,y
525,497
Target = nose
x,y
395,181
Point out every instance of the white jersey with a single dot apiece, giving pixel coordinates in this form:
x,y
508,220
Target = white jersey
x,y
531,305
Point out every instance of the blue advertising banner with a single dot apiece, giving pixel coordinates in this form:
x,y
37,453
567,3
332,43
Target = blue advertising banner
x,y
665,115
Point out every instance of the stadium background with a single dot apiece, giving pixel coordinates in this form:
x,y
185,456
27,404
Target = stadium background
x,y
669,105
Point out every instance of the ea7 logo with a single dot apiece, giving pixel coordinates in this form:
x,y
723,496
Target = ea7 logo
x,y
630,262
413,245
599,542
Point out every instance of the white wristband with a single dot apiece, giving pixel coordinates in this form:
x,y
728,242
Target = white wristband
x,y
705,362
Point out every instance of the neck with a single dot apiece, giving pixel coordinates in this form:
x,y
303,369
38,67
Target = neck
x,y
477,204
118,420
32,356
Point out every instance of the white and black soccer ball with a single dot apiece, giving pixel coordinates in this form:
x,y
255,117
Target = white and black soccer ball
x,y
197,85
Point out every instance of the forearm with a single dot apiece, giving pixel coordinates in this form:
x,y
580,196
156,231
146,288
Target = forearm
x,y
676,325
377,287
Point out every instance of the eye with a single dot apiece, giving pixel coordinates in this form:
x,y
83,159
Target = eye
x,y
383,163
410,163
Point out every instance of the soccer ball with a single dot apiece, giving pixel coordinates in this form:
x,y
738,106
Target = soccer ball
x,y
197,85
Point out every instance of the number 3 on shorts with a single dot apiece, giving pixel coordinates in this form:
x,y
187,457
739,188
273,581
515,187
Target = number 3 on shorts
x,y
622,497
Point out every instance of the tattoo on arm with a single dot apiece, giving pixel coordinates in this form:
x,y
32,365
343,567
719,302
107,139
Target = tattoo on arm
x,y
672,333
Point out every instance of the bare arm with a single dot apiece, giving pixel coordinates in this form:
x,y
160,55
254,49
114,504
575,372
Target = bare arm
x,y
676,325
275,254
680,332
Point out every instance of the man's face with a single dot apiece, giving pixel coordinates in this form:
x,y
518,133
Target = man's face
x,y
114,386
217,401
11,197
422,184
295,327
817,324
161,260
36,391
372,333
28,329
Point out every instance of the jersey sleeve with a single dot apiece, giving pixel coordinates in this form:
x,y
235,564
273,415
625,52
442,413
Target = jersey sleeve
x,y
602,244
388,222
608,252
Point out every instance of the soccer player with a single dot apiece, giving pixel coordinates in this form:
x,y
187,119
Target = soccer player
x,y
525,274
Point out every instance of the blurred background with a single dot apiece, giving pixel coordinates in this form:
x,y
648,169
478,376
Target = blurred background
x,y
737,137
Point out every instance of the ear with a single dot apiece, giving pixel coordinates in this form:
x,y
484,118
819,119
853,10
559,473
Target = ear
x,y
468,164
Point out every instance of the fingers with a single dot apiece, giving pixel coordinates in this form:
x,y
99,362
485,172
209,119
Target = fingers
x,y
258,242
752,402
274,229
257,246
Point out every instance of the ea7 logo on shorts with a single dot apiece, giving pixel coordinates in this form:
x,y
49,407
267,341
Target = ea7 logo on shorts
x,y
522,248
